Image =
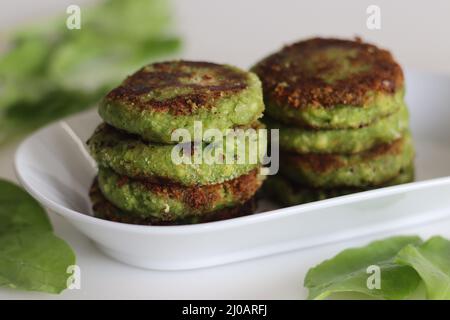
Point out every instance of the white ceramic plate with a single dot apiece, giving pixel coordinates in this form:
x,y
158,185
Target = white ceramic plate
x,y
56,170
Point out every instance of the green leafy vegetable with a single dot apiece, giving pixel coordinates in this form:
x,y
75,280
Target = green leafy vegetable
x,y
432,261
51,71
31,256
348,271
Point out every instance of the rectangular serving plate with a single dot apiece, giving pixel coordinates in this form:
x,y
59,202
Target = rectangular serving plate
x,y
53,166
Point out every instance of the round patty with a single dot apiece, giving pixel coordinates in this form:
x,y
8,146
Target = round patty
x,y
106,210
288,193
372,167
170,202
346,141
163,97
131,156
331,83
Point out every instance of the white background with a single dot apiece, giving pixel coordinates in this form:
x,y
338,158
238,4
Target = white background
x,y
241,32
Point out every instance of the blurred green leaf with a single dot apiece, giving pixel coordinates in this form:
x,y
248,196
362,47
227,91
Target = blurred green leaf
x,y
31,256
51,71
432,261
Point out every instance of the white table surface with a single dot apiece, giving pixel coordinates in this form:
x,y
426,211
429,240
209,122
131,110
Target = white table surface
x,y
240,32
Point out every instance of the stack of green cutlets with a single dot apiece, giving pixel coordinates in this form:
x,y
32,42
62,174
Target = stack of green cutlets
x,y
148,177
344,125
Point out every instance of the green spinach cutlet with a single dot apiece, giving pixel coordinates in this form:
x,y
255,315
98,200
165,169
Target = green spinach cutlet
x,y
129,155
346,141
163,97
104,209
372,167
331,84
146,178
289,193
168,202
342,119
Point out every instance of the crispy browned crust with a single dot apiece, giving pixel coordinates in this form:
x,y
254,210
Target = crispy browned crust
x,y
217,81
106,210
298,187
108,129
326,162
197,197
290,83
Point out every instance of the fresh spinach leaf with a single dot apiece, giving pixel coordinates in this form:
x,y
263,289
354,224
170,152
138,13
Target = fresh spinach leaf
x,y
348,271
432,261
31,256
19,211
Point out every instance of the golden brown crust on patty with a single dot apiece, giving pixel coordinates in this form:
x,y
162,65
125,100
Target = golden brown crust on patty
x,y
327,162
199,84
106,210
289,79
242,189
